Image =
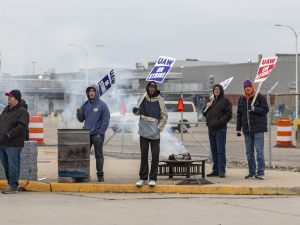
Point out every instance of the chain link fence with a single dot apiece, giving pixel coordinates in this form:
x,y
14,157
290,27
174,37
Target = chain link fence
x,y
56,102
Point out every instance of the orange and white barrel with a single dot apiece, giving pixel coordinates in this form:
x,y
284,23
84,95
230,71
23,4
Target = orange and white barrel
x,y
284,132
36,129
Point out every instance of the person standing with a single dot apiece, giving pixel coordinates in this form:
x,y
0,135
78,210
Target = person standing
x,y
95,115
217,116
153,119
14,122
253,119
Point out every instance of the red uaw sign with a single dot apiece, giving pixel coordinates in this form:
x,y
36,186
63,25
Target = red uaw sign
x,y
265,67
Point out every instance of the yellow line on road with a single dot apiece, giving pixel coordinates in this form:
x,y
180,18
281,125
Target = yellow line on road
x,y
53,161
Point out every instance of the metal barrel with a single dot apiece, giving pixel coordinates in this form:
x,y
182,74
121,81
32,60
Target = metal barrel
x,y
73,152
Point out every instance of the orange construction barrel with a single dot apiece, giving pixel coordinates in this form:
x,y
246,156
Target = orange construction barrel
x,y
36,129
284,132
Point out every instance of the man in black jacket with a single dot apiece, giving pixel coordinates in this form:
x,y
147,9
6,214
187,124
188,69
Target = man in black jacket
x,y
14,122
253,119
217,116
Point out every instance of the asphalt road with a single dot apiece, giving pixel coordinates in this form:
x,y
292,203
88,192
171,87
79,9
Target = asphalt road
x,y
112,208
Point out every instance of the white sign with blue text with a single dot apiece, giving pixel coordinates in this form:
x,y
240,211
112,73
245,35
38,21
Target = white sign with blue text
x,y
107,82
161,68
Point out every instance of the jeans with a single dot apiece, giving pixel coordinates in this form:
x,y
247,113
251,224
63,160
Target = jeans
x,y
10,159
256,140
217,139
98,147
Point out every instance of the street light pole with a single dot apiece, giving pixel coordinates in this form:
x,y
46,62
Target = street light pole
x,y
33,67
249,61
86,60
297,91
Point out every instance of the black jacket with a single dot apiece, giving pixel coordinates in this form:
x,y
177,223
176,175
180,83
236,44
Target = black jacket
x,y
14,121
220,113
252,121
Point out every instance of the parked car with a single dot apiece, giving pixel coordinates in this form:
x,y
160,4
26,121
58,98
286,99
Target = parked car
x,y
117,118
174,117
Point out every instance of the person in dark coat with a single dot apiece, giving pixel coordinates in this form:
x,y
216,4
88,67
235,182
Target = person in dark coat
x,y
14,122
252,117
217,116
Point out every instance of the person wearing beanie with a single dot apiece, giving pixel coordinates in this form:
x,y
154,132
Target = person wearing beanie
x,y
252,118
14,122
217,116
153,119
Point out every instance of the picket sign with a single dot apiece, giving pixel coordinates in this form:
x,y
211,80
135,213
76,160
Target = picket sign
x,y
224,84
106,83
265,67
159,72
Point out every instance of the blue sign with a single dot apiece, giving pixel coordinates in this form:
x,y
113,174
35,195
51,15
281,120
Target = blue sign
x,y
107,82
161,69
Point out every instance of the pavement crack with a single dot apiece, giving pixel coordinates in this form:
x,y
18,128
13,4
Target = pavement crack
x,y
248,207
111,199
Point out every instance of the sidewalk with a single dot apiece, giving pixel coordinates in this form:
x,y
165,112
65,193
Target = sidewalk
x,y
121,175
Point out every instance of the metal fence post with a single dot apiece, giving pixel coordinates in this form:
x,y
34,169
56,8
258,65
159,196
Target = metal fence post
x,y
181,122
269,124
122,146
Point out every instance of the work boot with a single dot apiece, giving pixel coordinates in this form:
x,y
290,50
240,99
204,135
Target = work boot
x,y
222,175
213,174
100,178
10,190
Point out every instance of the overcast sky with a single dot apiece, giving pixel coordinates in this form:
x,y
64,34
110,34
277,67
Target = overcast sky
x,y
140,31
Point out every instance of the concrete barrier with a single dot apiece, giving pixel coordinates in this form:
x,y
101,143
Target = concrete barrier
x,y
29,168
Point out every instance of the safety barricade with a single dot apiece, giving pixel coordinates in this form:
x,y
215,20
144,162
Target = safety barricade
x,y
284,132
36,129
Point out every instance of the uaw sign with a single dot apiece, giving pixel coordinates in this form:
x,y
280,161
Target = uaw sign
x,y
225,83
107,82
161,68
265,67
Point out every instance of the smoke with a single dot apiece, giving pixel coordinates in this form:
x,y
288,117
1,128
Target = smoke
x,y
169,143
75,95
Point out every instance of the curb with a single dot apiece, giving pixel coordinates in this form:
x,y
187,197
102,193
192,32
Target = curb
x,y
226,190
183,189
38,187
3,183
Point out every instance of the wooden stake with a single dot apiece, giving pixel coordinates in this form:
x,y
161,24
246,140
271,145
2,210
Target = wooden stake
x,y
138,105
259,85
208,106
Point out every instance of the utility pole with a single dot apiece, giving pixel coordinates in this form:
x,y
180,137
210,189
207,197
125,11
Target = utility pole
x,y
33,67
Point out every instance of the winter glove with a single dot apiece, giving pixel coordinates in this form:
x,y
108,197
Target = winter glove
x,y
238,133
135,109
252,107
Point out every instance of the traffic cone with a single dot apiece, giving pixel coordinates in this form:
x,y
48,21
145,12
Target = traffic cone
x,y
123,109
180,106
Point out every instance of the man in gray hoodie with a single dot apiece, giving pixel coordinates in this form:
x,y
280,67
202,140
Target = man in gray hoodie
x,y
95,114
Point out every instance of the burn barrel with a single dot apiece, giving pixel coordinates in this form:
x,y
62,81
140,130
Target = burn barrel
x,y
73,153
